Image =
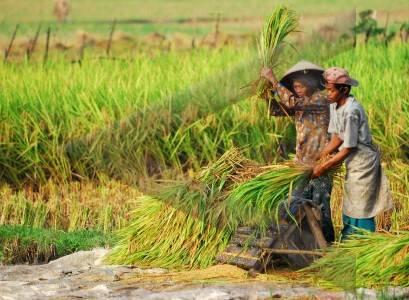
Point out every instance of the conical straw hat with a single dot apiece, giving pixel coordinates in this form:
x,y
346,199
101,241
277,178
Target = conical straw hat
x,y
302,67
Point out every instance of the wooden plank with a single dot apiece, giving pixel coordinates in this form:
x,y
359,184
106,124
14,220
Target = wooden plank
x,y
245,230
314,226
245,240
245,262
249,251
294,251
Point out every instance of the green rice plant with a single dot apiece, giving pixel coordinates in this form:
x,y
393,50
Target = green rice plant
x,y
277,27
69,207
258,201
370,259
23,244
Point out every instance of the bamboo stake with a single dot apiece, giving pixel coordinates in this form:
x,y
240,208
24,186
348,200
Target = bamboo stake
x,y
216,30
31,48
385,39
13,37
47,45
355,37
111,34
294,251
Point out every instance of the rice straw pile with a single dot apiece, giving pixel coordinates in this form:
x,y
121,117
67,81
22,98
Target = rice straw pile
x,y
188,223
258,201
369,259
184,225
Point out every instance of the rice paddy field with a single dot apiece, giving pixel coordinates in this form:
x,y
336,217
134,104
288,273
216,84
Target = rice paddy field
x,y
108,147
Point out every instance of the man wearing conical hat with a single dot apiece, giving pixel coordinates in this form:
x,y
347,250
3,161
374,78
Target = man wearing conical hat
x,y
301,97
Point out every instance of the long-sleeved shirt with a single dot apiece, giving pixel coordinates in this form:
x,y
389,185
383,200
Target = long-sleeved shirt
x,y
311,115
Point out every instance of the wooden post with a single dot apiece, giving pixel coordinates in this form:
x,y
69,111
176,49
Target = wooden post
x,y
31,48
8,50
47,45
111,34
315,228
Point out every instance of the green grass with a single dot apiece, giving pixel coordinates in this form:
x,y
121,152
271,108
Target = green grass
x,y
22,244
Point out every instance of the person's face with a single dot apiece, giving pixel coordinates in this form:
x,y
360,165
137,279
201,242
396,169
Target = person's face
x,y
333,95
300,89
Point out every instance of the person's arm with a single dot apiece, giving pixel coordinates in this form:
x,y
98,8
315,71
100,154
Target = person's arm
x,y
349,144
287,101
331,147
332,162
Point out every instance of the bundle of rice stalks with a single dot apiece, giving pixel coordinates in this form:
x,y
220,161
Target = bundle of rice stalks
x,y
370,259
182,226
187,224
277,27
258,200
223,170
164,236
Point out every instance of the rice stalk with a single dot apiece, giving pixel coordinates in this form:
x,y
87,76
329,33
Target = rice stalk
x,y
165,236
367,259
186,224
258,200
277,27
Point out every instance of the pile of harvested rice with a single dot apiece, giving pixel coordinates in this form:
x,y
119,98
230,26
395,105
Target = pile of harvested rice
x,y
188,223
368,260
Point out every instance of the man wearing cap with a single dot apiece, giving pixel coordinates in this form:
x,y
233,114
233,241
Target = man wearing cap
x,y
301,98
366,189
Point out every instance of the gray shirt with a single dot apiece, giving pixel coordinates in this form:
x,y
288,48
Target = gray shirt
x,y
350,123
366,188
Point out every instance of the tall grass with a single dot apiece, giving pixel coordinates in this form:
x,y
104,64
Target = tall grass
x,y
146,119
22,244
104,207
132,119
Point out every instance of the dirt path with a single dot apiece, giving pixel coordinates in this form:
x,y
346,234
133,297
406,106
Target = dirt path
x,y
82,275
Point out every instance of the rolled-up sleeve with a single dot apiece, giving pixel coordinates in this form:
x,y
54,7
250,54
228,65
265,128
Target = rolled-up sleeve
x,y
351,132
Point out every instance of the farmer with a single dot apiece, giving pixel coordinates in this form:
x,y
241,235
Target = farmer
x,y
301,98
61,10
366,189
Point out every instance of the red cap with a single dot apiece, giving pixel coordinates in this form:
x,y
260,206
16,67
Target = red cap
x,y
338,75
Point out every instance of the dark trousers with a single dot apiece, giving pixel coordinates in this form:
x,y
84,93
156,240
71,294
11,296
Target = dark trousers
x,y
317,191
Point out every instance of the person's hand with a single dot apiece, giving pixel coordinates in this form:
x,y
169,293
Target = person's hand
x,y
268,74
318,171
